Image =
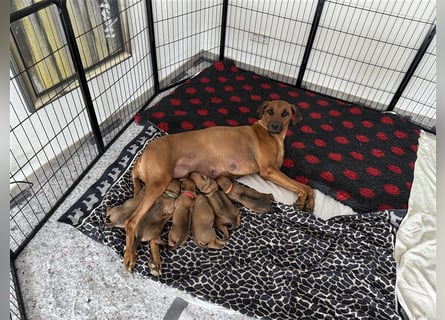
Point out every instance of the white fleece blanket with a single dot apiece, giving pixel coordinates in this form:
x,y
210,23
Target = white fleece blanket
x,y
415,248
325,206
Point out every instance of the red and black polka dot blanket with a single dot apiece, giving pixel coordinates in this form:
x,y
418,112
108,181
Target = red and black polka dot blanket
x,y
359,156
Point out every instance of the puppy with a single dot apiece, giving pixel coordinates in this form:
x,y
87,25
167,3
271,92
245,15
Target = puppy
x,y
203,219
116,216
248,197
153,222
181,220
226,214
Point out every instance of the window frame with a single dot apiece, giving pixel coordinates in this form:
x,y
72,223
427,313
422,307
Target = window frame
x,y
35,100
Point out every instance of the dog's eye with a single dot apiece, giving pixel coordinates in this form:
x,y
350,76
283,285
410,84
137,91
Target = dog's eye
x,y
285,114
270,112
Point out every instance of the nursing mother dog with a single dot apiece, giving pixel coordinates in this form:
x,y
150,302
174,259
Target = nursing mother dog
x,y
216,151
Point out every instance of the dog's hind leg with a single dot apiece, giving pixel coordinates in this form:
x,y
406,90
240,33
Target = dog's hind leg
x,y
216,244
152,192
155,266
234,213
135,177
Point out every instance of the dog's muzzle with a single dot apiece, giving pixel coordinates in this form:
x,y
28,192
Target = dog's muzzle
x,y
274,127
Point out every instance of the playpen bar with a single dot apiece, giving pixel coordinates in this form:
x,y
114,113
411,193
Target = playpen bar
x,y
151,35
222,44
16,288
17,15
412,68
83,83
310,42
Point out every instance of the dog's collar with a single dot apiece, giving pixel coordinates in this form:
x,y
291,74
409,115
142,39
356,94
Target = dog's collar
x,y
229,188
189,194
170,194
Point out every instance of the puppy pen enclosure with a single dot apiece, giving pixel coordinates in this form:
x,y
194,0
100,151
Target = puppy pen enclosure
x,y
80,71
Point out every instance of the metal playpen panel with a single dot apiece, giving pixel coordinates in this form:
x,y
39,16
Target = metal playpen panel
x,y
79,71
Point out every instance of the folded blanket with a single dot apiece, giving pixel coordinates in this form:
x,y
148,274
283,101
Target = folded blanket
x,y
415,249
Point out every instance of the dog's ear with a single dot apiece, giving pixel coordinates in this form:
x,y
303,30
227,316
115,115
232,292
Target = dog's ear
x,y
297,114
261,108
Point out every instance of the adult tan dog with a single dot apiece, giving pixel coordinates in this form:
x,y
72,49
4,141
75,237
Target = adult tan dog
x,y
215,151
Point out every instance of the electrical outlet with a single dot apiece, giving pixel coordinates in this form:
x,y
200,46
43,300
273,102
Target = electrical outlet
x,y
256,37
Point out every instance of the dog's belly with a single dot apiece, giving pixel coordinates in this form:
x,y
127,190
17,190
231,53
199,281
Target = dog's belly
x,y
214,166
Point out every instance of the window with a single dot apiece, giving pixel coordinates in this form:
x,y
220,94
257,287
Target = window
x,y
40,54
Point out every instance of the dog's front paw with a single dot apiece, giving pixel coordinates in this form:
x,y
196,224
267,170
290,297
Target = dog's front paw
x,y
299,204
309,205
129,259
155,269
108,220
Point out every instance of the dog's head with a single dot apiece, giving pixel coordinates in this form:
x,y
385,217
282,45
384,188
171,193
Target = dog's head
x,y
204,183
224,183
188,185
275,115
174,187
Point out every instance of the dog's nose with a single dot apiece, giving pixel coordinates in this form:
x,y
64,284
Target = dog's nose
x,y
274,127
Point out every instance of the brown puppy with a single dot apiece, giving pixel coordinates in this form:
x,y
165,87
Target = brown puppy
x,y
203,219
116,216
248,197
226,214
153,223
215,151
181,220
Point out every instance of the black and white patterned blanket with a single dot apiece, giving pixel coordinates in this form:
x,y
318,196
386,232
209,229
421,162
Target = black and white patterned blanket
x,y
285,264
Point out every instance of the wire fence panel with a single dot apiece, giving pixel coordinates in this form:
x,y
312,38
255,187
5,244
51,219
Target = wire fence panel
x,y
269,37
418,101
53,145
16,310
80,70
56,101
363,49
49,148
123,85
187,37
